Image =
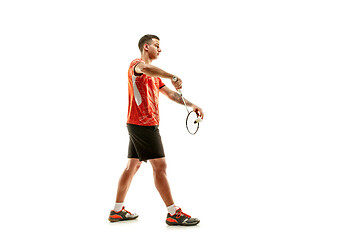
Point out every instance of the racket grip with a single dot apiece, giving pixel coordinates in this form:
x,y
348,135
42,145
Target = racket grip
x,y
179,91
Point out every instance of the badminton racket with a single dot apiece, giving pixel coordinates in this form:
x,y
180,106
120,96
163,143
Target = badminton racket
x,y
192,119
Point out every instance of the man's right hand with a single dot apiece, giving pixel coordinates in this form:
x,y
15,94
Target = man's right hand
x,y
177,84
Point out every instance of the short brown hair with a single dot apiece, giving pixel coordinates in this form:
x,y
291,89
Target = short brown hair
x,y
146,39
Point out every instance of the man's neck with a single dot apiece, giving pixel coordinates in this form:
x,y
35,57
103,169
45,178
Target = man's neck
x,y
146,58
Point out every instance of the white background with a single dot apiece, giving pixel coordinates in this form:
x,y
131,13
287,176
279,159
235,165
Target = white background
x,y
277,156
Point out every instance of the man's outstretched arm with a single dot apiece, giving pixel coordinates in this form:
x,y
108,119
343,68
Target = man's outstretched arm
x,y
176,97
154,71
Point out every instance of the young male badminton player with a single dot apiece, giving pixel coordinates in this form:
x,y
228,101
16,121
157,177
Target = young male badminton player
x,y
144,84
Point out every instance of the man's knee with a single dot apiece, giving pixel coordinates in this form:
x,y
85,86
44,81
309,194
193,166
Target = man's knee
x,y
159,164
133,164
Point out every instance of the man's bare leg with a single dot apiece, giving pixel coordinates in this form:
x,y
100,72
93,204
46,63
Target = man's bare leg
x,y
126,178
162,185
160,179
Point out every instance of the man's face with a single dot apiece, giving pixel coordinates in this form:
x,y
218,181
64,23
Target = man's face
x,y
154,49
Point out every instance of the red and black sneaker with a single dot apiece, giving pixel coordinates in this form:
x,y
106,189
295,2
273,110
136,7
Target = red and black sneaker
x,y
181,218
121,215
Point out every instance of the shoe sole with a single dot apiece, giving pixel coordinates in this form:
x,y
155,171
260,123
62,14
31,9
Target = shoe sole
x,y
179,224
120,220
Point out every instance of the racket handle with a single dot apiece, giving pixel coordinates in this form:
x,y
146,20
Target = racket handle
x,y
179,91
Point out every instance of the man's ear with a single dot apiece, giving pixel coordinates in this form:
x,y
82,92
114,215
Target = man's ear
x,y
146,47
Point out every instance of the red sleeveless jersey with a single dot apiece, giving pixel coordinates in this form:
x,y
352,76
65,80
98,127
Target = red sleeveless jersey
x,y
143,107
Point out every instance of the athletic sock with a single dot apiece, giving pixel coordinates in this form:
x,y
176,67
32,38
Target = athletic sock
x,y
172,209
118,207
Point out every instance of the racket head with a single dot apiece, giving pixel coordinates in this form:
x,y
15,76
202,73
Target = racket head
x,y
191,124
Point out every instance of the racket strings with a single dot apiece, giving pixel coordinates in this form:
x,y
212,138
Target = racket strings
x,y
191,124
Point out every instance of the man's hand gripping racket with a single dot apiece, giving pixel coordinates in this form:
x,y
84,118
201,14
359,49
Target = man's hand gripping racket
x,y
193,118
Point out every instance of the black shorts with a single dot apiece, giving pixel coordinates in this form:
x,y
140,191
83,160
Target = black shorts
x,y
145,142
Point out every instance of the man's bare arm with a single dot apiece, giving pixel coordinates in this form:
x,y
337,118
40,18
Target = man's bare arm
x,y
176,97
152,71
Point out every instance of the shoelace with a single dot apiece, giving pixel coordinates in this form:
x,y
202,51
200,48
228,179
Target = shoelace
x,y
179,212
123,209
